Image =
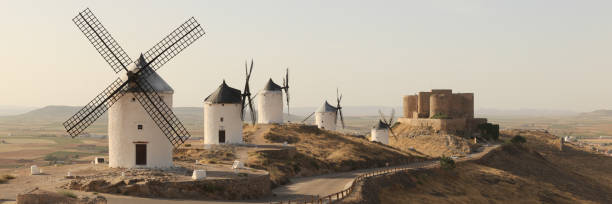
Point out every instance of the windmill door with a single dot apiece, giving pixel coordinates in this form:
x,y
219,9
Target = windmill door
x,y
221,136
141,154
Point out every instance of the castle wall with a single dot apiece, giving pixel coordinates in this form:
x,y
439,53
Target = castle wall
x,y
455,124
441,91
423,104
410,105
440,104
462,105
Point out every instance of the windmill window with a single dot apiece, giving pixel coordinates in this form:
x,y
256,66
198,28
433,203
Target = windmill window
x,y
221,119
140,127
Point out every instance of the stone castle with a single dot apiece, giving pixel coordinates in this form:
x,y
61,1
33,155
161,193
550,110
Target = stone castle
x,y
443,110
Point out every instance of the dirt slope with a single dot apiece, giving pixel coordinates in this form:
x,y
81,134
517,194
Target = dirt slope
x,y
535,172
426,141
320,151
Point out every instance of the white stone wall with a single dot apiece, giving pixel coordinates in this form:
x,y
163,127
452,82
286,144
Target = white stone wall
x,y
123,120
232,124
326,120
381,135
270,107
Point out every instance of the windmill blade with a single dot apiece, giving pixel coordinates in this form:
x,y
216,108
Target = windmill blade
x,y
308,117
174,43
102,40
341,118
382,116
286,88
160,112
392,117
96,108
253,119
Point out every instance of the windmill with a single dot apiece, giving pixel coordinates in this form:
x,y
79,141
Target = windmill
x,y
144,92
388,123
326,116
339,108
247,94
286,89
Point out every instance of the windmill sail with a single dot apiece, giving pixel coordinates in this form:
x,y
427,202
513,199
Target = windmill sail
x,y
146,94
102,40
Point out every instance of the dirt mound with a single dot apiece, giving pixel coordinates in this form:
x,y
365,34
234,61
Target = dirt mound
x,y
320,151
429,142
535,172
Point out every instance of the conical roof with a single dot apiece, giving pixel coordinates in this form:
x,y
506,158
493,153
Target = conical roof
x,y
271,86
225,94
153,78
381,125
326,108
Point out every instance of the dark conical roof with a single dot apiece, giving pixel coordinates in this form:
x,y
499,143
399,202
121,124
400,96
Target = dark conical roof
x,y
381,125
153,78
271,86
225,94
326,108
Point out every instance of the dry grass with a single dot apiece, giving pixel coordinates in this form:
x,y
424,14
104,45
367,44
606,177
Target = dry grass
x,y
535,172
320,151
218,154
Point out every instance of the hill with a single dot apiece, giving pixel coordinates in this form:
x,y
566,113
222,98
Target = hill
x,y
535,172
320,151
428,142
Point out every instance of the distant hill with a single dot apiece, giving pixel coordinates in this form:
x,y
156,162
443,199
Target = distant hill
x,y
597,113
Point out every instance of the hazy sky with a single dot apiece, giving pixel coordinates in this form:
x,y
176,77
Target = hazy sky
x,y
513,54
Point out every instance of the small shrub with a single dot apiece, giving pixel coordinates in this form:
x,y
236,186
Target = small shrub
x,y
518,140
447,163
243,174
8,177
3,180
67,193
440,116
187,145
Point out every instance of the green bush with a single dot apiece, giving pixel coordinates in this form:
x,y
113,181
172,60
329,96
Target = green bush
x,y
440,116
518,140
67,193
447,163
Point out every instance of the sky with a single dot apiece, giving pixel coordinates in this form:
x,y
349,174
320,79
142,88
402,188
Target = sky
x,y
545,54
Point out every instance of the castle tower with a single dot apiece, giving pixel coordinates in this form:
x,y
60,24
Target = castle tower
x,y
270,104
134,140
222,122
325,117
380,133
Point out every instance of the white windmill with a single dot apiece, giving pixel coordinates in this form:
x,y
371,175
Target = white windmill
x,y
142,128
381,131
270,102
326,116
222,116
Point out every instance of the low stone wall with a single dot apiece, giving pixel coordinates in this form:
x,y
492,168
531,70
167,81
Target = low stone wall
x,y
38,196
249,187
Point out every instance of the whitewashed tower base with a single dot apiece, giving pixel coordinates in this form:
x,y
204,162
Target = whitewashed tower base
x,y
222,122
270,104
380,133
130,128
